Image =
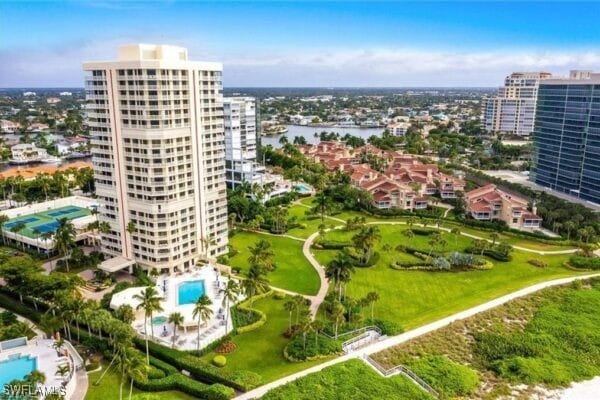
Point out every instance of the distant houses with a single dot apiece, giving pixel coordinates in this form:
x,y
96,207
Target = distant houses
x,y
405,183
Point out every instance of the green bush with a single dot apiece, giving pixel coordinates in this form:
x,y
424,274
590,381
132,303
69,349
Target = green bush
x,y
447,377
580,262
389,328
155,373
219,361
537,263
316,347
279,296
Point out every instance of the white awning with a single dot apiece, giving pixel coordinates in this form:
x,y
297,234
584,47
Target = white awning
x,y
115,264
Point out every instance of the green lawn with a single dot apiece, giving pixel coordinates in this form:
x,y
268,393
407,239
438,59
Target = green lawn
x,y
261,350
293,271
109,388
350,380
414,298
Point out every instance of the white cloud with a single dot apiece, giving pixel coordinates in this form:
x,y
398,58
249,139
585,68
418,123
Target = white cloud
x,y
317,67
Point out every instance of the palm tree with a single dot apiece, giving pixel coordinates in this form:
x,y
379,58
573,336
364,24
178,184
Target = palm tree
x,y
136,369
203,311
337,314
289,306
339,269
323,205
366,240
254,283
63,370
317,325
456,232
45,237
149,300
177,320
371,298
494,236
58,345
36,233
262,255
64,239
16,228
569,225
230,294
3,220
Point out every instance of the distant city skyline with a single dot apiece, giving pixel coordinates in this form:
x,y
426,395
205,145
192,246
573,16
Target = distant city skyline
x,y
307,44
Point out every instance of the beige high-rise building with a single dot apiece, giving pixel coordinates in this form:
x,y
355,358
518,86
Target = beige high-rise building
x,y
156,121
513,109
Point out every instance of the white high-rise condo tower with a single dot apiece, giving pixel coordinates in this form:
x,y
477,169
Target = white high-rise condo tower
x,y
240,142
513,109
156,121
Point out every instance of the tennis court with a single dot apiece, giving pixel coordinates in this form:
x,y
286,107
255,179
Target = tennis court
x,y
46,221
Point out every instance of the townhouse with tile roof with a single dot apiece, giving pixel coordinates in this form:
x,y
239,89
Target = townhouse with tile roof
x,y
488,203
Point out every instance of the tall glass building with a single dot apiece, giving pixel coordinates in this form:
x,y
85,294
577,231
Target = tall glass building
x,y
567,135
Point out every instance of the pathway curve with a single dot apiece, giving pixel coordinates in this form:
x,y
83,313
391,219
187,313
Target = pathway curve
x,y
315,301
404,337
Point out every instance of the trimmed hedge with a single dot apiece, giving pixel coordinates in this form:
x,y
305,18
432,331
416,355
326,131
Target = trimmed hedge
x,y
240,379
331,244
262,316
186,385
579,262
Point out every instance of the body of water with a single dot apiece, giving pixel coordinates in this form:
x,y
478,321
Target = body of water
x,y
308,132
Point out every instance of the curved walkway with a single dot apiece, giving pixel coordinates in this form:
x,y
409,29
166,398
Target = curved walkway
x,y
316,300
404,337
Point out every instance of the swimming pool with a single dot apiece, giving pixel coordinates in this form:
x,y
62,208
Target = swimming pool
x,y
16,368
189,292
161,319
300,188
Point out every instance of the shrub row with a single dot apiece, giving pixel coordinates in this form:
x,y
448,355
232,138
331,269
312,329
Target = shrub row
x,y
240,380
418,252
579,262
331,244
186,385
262,316
491,253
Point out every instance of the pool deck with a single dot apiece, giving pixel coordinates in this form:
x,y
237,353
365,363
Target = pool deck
x,y
47,359
187,335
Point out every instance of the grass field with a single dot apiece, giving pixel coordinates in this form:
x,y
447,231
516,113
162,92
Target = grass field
x,y
413,298
350,380
261,350
293,271
549,338
46,221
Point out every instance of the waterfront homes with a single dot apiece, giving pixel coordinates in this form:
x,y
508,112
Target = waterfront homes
x,y
7,126
25,152
488,203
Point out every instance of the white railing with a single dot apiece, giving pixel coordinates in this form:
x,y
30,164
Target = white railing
x,y
354,332
401,369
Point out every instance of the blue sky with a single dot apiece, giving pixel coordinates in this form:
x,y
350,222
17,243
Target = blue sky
x,y
306,43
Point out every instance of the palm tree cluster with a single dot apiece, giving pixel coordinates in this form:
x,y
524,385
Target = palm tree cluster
x,y
365,241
